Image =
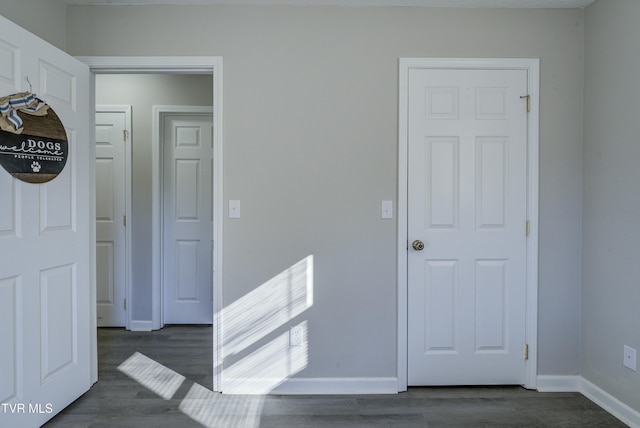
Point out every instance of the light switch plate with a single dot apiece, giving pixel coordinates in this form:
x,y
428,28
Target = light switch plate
x,y
234,208
629,358
387,210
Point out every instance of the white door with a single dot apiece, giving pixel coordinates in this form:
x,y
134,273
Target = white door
x,y
467,195
187,218
45,246
111,208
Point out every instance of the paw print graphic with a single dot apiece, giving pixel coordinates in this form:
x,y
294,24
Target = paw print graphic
x,y
35,166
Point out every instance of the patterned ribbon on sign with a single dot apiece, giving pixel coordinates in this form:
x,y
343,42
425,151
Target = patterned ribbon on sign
x,y
23,102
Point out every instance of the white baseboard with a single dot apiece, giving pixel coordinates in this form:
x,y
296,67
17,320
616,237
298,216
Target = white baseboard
x,y
558,383
611,404
594,393
311,386
141,325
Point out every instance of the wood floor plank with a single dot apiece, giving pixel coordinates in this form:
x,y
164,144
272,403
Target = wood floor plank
x,y
182,355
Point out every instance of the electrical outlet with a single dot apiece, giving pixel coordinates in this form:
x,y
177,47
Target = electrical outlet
x,y
296,334
629,358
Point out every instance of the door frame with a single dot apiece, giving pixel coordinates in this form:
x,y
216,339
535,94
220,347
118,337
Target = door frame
x,y
532,66
207,65
157,140
126,109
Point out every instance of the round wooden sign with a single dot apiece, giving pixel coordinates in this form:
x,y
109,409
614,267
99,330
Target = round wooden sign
x,y
39,153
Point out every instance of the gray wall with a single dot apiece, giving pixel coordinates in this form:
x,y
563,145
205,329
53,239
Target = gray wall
x,y
310,147
44,18
142,91
611,274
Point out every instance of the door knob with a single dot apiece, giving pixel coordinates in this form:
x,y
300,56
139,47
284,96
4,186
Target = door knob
x,y
418,245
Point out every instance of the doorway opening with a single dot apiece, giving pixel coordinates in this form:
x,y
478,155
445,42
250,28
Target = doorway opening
x,y
161,66
130,145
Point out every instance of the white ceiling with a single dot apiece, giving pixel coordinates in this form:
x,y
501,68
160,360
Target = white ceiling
x,y
420,3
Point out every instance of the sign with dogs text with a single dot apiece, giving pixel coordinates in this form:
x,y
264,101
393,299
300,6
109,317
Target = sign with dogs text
x,y
33,142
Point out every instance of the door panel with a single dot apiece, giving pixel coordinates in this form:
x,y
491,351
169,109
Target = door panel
x,y
9,207
59,344
111,208
441,283
10,354
45,242
442,188
57,201
467,203
188,219
491,316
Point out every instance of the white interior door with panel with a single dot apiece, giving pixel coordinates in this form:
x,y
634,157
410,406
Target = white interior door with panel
x,y
46,247
187,218
112,194
467,216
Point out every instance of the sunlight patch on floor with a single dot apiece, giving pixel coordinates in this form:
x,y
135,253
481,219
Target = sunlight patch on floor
x,y
253,367
212,409
209,408
153,375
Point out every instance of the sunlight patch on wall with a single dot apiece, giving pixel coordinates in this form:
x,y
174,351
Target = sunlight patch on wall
x,y
266,368
270,307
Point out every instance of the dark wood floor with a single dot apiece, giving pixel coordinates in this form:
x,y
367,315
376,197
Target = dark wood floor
x,y
177,362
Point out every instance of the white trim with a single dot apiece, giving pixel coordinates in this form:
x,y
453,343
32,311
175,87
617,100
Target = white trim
x,y
532,66
558,383
403,237
126,109
533,141
144,325
187,65
92,212
157,225
594,393
152,64
527,4
311,386
609,403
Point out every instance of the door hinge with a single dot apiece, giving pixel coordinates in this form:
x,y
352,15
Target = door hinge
x,y
526,351
124,220
125,304
527,228
528,97
125,135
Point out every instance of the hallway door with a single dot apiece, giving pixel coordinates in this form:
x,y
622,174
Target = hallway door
x,y
113,148
187,218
